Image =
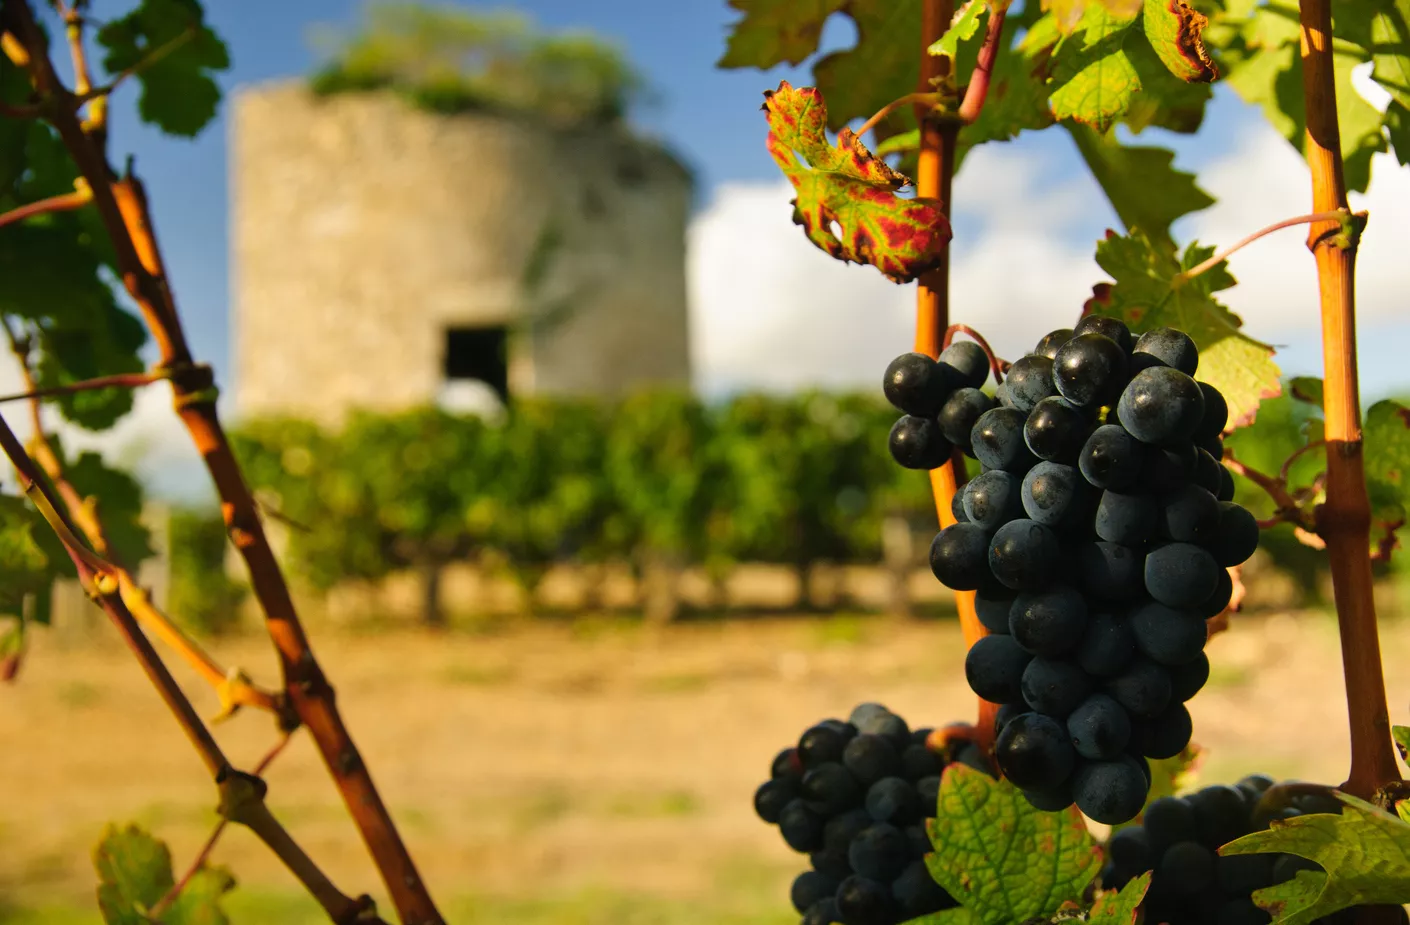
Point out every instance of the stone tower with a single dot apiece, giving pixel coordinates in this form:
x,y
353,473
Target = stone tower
x,y
384,256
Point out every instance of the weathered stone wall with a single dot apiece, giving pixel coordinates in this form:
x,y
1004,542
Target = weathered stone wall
x,y
363,227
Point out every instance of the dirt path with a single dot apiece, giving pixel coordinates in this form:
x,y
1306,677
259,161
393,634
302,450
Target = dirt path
x,y
561,758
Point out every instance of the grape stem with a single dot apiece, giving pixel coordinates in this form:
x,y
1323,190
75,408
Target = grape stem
x,y
978,90
1344,519
1288,510
997,366
1334,215
119,381
919,99
1295,456
934,178
64,202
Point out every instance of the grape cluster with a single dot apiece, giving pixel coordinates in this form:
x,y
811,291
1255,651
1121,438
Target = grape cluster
x,y
1178,839
855,797
1096,538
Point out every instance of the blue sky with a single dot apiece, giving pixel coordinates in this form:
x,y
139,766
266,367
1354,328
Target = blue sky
x,y
769,310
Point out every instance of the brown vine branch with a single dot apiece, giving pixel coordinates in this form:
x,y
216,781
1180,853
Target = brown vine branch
x,y
1287,510
119,381
122,207
996,365
64,202
977,92
1334,215
1344,520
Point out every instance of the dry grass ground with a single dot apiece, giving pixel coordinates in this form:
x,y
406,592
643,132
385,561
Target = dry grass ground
x,y
582,774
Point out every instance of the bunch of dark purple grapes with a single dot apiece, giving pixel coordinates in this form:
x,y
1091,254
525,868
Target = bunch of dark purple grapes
x,y
855,797
1097,539
1179,837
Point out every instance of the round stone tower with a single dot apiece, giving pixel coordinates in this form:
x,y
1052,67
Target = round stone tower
x,y
385,256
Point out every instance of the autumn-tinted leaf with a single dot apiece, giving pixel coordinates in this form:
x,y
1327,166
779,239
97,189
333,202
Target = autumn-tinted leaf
x,y
1093,79
846,184
1145,296
134,873
1364,853
773,32
1176,32
1121,908
965,25
1002,859
178,55
1141,183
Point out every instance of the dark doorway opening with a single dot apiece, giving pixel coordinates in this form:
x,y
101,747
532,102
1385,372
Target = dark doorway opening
x,y
479,354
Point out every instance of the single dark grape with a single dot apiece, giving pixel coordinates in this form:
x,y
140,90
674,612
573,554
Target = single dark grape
x,y
1256,783
1023,555
1181,575
819,744
1241,910
915,384
1107,646
1189,514
965,364
921,735
787,763
864,711
1051,343
1241,874
993,498
841,829
1218,601
893,800
1054,687
1056,430
1005,713
870,758
801,828
822,912
1169,820
1111,572
1167,635
1110,792
917,761
1287,866
1034,752
1216,414
919,840
1130,850
958,415
916,893
1055,495
1002,396
1111,458
957,507
1029,381
1100,728
1128,519
992,605
1170,348
959,556
880,851
997,440
772,796
994,669
1237,538
1089,369
810,887
1220,814
1168,468
863,901
847,730
1050,801
1209,472
916,443
1166,735
1186,680
1048,623
1112,328
971,755
889,726
929,790
1161,405
829,789
1187,868
1226,485
1143,688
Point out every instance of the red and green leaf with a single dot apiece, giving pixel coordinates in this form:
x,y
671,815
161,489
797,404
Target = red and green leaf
x,y
1176,32
847,187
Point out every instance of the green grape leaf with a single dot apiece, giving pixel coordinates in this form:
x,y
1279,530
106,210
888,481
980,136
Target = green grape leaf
x,y
1123,907
1382,29
1398,131
103,343
1176,32
882,66
956,916
963,28
1143,186
1165,101
117,497
1385,439
1364,853
846,184
1307,389
901,143
774,32
1401,735
1145,295
1093,78
1002,859
175,55
134,873
26,567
